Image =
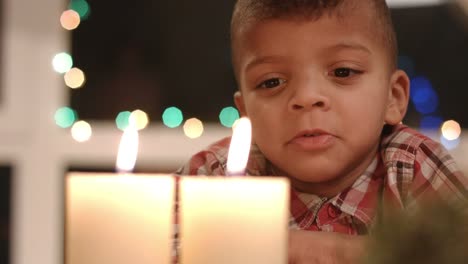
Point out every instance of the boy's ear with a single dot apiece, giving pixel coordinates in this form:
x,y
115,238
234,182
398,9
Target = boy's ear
x,y
239,101
398,97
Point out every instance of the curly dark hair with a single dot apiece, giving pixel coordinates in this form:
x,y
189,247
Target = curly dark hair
x,y
247,12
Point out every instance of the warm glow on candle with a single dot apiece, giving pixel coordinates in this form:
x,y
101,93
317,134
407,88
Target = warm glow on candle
x,y
240,147
116,219
128,150
234,220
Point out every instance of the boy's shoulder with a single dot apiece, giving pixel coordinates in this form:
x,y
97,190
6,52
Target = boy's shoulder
x,y
401,142
400,134
418,167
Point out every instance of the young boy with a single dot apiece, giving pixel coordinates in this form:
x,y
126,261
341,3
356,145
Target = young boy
x,y
318,79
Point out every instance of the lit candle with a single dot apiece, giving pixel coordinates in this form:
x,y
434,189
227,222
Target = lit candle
x,y
239,148
116,218
234,220
128,150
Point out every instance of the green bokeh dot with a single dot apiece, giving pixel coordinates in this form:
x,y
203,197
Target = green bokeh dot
x,y
122,120
228,116
65,117
172,117
81,7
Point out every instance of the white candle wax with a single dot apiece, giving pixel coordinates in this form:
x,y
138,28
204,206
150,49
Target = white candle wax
x,y
234,220
119,219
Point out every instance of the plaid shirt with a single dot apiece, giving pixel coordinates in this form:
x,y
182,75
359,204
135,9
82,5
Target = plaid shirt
x,y
408,169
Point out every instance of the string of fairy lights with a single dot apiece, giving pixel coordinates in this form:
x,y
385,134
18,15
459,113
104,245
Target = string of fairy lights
x,y
423,97
75,78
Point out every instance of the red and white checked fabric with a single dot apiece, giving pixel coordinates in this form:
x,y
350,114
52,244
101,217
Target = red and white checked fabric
x,y
409,169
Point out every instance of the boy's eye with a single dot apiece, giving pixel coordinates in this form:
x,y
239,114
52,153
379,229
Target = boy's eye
x,y
344,72
271,83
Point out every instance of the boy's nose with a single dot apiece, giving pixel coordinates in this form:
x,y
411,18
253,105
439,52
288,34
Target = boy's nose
x,y
307,97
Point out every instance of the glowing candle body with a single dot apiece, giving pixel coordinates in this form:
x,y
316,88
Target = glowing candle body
x,y
119,219
234,220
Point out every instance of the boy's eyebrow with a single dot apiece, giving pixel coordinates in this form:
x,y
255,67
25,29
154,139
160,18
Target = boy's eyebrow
x,y
263,59
349,45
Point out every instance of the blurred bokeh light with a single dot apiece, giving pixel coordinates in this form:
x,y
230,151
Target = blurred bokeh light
x,y
423,96
65,117
81,131
122,120
228,116
139,119
70,19
451,130
193,128
81,7
74,78
172,117
62,62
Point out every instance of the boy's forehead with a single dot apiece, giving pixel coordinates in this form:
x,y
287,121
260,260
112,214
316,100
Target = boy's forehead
x,y
361,20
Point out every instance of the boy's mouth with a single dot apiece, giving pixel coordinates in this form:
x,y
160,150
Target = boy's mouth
x,y
311,133
312,140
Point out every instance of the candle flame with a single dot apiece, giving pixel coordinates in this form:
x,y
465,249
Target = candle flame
x,y
128,150
240,147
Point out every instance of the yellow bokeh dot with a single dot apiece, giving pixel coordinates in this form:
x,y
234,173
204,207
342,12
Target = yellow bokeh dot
x,y
74,78
451,130
81,131
139,119
70,19
193,128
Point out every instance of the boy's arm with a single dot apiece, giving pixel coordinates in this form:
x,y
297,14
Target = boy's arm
x,y
436,176
325,247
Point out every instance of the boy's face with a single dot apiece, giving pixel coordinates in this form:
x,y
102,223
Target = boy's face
x,y
318,94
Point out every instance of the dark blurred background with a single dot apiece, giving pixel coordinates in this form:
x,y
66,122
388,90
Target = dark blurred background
x,y
154,54
433,45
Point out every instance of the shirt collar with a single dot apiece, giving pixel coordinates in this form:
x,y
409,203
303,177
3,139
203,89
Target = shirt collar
x,y
362,199
359,200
